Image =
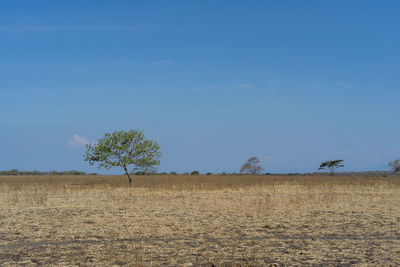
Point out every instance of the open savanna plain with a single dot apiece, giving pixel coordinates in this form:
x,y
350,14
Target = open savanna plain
x,y
214,220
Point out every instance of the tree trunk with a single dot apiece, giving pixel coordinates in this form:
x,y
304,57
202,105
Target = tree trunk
x,y
129,176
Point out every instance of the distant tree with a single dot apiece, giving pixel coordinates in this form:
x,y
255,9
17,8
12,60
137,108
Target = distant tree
x,y
331,165
10,172
14,172
144,170
145,167
195,173
252,166
395,165
123,149
173,173
209,173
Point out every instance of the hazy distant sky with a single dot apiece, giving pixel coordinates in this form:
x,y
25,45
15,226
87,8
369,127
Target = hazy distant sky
x,y
214,82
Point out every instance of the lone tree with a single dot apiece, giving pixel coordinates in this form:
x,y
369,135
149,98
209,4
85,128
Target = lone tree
x,y
331,165
252,166
122,149
395,165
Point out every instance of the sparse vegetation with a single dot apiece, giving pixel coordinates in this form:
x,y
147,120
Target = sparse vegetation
x,y
178,220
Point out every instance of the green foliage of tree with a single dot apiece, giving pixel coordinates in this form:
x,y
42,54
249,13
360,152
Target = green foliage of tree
x,y
195,173
123,149
252,166
395,165
331,165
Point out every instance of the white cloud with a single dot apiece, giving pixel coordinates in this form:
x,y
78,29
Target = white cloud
x,y
77,141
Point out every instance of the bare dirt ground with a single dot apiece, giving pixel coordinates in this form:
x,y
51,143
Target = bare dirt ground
x,y
199,220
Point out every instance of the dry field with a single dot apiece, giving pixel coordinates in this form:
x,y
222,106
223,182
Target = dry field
x,y
199,220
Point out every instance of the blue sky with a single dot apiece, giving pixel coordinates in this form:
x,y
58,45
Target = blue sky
x,y
214,82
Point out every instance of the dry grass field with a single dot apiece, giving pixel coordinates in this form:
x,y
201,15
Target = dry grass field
x,y
218,220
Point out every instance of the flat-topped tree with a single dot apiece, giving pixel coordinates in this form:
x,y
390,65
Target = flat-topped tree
x,y
331,165
123,149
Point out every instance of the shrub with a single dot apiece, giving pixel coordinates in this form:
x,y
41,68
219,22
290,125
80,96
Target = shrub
x,y
195,173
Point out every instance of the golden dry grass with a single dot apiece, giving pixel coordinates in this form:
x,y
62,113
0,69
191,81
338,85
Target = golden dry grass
x,y
199,220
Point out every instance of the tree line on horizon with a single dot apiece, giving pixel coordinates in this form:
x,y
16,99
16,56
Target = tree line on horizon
x,y
35,172
131,148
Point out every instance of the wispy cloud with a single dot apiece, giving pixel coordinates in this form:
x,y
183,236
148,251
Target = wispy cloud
x,y
322,155
315,85
164,61
242,87
236,88
395,150
78,141
272,89
345,85
16,29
